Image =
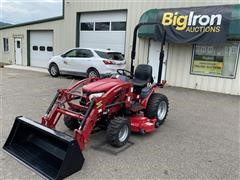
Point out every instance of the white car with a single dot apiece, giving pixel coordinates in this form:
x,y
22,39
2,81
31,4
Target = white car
x,y
86,62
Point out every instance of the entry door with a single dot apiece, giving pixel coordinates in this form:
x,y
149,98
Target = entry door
x,y
18,50
153,59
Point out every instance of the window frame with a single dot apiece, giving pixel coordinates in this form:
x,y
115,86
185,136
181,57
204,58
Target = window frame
x,y
40,48
114,54
18,44
5,45
109,26
47,49
212,75
92,55
118,22
65,54
33,49
93,26
101,54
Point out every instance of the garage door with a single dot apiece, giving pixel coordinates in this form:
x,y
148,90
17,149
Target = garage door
x,y
41,47
105,30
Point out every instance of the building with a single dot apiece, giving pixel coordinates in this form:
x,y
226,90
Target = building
x,y
110,24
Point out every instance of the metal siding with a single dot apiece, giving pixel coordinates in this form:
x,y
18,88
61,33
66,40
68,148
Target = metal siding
x,y
178,73
8,57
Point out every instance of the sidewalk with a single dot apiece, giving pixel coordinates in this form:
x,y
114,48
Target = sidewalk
x,y
27,68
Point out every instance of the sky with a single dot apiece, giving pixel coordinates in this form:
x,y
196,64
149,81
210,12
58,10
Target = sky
x,y
20,11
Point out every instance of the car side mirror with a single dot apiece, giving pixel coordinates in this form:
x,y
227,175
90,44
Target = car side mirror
x,y
63,55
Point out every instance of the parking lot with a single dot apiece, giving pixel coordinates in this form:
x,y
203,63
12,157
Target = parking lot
x,y
200,138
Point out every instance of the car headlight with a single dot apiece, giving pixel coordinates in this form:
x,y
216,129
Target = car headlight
x,y
95,95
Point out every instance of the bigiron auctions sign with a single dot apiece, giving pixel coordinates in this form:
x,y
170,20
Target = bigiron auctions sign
x,y
197,24
192,22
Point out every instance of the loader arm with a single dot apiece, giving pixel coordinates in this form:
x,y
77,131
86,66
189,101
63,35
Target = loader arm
x,y
57,107
100,105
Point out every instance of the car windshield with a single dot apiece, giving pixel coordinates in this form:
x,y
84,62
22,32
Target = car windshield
x,y
110,55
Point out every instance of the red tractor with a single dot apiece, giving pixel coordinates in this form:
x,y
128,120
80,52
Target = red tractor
x,y
124,103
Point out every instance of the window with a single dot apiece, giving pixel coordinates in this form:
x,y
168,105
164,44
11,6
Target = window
x,y
102,26
84,53
110,55
87,26
42,48
71,53
81,53
102,54
5,44
215,60
35,48
118,26
116,56
49,48
18,44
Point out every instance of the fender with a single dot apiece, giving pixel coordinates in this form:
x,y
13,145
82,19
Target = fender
x,y
144,101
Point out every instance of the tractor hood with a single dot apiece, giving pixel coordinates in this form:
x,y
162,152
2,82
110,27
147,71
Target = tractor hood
x,y
102,85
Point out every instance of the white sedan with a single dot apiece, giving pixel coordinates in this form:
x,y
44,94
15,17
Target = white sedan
x,y
86,62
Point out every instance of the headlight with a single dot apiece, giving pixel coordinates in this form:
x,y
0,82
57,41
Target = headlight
x,y
95,95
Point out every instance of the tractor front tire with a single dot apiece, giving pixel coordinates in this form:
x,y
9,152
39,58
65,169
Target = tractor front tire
x,y
157,107
70,122
118,131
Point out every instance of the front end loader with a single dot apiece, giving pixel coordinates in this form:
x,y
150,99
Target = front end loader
x,y
121,104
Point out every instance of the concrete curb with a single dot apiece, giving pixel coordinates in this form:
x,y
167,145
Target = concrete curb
x,y
27,68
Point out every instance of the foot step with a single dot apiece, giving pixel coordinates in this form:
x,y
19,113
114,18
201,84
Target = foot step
x,y
136,106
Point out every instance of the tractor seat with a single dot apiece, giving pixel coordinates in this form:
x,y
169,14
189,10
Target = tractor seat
x,y
142,76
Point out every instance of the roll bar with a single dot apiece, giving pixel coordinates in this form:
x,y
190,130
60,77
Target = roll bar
x,y
161,57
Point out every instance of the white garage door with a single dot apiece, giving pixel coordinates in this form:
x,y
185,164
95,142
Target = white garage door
x,y
105,30
41,48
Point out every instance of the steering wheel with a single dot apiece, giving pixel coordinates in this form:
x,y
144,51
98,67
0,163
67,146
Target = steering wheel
x,y
124,72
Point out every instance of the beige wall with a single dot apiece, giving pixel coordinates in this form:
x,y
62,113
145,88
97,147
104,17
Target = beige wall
x,y
134,11
178,73
180,55
9,57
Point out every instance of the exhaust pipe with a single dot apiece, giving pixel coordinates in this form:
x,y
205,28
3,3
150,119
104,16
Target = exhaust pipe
x,y
51,153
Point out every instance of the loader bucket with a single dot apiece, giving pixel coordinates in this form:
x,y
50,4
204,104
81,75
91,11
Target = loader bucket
x,y
50,153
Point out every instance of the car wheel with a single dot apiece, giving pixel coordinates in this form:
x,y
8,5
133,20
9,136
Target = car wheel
x,y
93,73
53,70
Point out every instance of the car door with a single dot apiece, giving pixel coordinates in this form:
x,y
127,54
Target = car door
x,y
67,60
83,61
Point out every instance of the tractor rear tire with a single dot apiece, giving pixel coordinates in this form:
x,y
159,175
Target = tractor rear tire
x,y
157,107
118,131
70,122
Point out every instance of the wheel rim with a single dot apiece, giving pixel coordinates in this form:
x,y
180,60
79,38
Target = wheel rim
x,y
92,74
53,70
162,110
123,133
